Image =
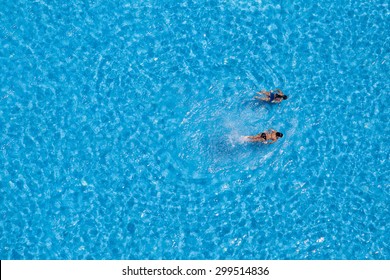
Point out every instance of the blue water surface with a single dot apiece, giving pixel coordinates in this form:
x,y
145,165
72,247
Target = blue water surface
x,y
121,122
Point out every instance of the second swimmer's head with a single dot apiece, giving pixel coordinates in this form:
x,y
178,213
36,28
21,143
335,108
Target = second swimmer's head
x,y
281,96
279,134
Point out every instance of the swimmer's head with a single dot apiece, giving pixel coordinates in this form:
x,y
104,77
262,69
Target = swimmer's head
x,y
285,97
279,134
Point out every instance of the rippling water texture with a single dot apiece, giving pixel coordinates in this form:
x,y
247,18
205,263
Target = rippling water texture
x,y
120,125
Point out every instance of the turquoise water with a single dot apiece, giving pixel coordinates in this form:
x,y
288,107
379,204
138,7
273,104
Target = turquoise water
x,y
120,125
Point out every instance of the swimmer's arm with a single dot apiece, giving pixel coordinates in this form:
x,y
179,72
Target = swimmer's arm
x,y
266,142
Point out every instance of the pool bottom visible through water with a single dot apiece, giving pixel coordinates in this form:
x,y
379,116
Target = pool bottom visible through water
x,y
121,128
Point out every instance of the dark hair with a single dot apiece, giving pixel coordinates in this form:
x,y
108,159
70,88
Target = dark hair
x,y
279,134
281,96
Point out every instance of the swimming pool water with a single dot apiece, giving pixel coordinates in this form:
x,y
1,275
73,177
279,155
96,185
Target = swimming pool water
x,y
120,124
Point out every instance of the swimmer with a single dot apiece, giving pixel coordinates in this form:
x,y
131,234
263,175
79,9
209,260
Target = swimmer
x,y
268,137
272,96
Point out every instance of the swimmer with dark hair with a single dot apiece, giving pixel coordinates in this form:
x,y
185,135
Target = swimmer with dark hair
x,y
272,96
268,137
